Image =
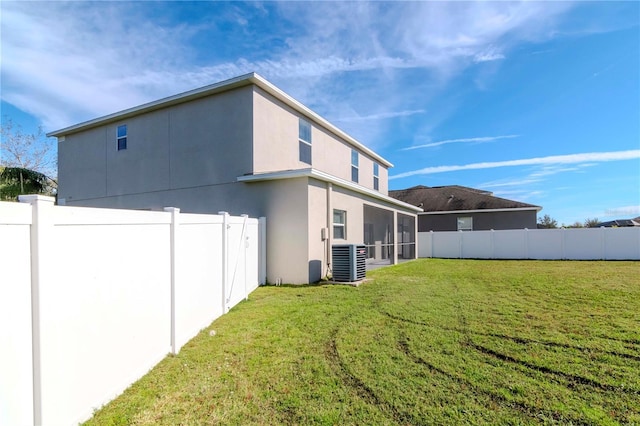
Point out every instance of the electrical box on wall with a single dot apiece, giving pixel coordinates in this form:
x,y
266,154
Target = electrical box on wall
x,y
324,234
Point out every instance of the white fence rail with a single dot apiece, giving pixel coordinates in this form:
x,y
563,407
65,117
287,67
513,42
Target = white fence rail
x,y
570,244
91,299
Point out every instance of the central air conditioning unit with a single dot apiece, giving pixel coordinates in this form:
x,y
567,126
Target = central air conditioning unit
x,y
349,262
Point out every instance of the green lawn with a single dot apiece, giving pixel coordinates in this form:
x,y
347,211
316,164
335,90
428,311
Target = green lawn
x,y
426,342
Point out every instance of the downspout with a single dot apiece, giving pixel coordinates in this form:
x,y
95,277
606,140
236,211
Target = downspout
x,y
329,233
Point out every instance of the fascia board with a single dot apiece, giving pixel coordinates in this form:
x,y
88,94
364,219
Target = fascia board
x,y
483,211
326,177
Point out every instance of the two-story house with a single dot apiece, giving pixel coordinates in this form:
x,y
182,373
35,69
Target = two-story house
x,y
242,146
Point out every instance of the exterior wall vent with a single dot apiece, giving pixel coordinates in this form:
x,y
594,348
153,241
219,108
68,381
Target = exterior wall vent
x,y
349,262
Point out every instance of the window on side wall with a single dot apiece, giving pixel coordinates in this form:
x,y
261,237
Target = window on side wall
x,y
121,137
339,224
465,224
376,177
304,141
354,165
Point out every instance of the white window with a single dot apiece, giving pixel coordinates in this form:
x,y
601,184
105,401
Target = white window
x,y
121,137
339,224
354,165
376,177
465,224
304,141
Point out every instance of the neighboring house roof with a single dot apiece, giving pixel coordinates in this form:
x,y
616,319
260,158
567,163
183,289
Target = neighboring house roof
x,y
454,198
241,81
619,223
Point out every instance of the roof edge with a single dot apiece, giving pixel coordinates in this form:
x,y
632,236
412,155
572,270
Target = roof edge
x,y
222,86
326,177
232,83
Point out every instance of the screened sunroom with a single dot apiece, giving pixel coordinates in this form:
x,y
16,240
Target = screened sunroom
x,y
387,243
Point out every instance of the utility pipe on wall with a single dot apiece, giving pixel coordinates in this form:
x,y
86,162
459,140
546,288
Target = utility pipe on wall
x,y
329,239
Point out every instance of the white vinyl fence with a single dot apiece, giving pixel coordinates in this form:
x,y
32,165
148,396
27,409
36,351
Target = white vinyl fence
x,y
91,299
569,244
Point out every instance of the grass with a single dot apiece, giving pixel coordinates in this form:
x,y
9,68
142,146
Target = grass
x,y
425,342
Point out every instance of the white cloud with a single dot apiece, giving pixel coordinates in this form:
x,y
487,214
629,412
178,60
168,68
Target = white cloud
x,y
522,195
623,212
464,140
67,62
554,159
489,55
508,183
381,115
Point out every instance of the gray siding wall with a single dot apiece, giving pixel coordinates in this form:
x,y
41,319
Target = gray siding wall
x,y
481,221
203,142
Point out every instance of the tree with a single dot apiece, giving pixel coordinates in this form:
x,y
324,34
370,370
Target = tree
x,y
27,162
15,181
27,151
547,222
591,223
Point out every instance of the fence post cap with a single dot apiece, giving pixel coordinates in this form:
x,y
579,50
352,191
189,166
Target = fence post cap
x,y
31,198
172,209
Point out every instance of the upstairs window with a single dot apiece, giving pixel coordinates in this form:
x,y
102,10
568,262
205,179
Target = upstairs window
x,y
339,224
376,176
354,165
304,141
121,137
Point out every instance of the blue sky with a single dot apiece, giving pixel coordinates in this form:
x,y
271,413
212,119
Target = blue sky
x,y
535,101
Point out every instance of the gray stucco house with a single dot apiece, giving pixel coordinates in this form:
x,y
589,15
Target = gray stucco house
x,y
243,146
459,208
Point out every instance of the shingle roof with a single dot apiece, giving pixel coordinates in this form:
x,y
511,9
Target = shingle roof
x,y
619,223
455,198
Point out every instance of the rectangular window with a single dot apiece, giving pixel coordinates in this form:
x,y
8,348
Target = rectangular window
x,y
339,224
465,224
354,165
376,177
121,137
304,141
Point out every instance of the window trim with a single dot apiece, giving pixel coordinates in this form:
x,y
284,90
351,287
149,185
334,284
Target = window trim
x,y
343,224
121,140
355,166
303,143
